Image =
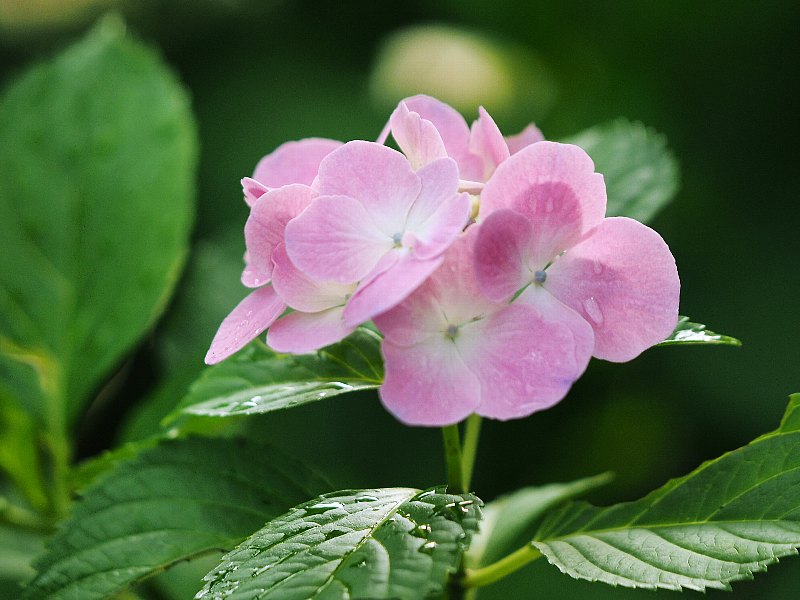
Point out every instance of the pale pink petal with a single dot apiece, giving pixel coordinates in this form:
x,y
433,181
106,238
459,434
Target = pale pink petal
x,y
416,137
530,135
622,279
302,292
265,226
439,214
486,141
251,276
451,126
300,332
502,254
336,239
450,295
390,283
294,162
555,186
251,316
253,190
524,363
428,383
381,179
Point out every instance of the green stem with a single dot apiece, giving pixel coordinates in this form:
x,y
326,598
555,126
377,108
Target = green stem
x,y
455,463
474,578
20,517
472,431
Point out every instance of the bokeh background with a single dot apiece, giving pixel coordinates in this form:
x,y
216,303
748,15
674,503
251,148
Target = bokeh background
x,y
716,77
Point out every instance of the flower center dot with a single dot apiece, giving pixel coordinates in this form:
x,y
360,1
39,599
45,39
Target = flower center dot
x,y
540,276
451,331
397,238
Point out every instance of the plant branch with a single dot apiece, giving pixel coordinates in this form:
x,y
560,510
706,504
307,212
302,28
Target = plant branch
x,y
496,571
472,431
454,460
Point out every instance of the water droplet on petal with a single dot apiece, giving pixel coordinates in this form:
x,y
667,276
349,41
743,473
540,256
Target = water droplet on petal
x,y
593,311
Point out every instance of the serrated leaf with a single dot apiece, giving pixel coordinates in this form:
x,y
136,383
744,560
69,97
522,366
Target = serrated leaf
x,y
381,543
258,380
98,160
688,333
177,500
723,522
641,173
509,516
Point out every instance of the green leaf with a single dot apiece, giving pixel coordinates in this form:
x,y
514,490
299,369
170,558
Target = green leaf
x,y
258,380
723,522
508,517
641,173
96,200
174,501
381,543
688,333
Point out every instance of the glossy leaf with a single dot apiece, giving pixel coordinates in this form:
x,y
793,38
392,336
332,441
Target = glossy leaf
x,y
177,500
508,517
688,333
96,192
641,173
723,522
381,543
257,380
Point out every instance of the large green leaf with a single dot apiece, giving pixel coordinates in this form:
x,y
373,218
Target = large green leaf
x,y
508,517
695,334
258,380
98,159
382,543
641,173
179,499
723,522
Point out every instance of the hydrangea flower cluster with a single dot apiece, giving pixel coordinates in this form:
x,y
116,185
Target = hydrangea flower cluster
x,y
486,262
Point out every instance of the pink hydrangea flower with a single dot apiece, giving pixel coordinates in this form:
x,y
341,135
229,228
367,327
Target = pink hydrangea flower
x,y
378,223
426,129
543,230
449,350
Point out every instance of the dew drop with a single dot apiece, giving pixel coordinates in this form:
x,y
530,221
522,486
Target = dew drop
x,y
366,498
321,507
423,531
592,309
428,547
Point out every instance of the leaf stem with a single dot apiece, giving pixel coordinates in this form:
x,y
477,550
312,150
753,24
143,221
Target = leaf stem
x,y
455,462
20,517
474,578
472,431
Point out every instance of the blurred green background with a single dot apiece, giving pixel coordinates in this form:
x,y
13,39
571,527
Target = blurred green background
x,y
715,77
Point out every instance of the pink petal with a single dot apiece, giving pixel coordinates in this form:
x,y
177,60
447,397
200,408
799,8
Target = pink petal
x,y
502,254
448,121
622,279
251,316
251,276
381,179
294,162
336,239
450,295
253,190
265,226
428,383
555,186
397,275
300,332
526,137
487,142
416,137
300,291
525,361
439,214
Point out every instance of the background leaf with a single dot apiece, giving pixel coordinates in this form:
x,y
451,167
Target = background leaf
x,y
179,499
379,543
96,191
723,522
688,333
508,517
257,380
640,171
